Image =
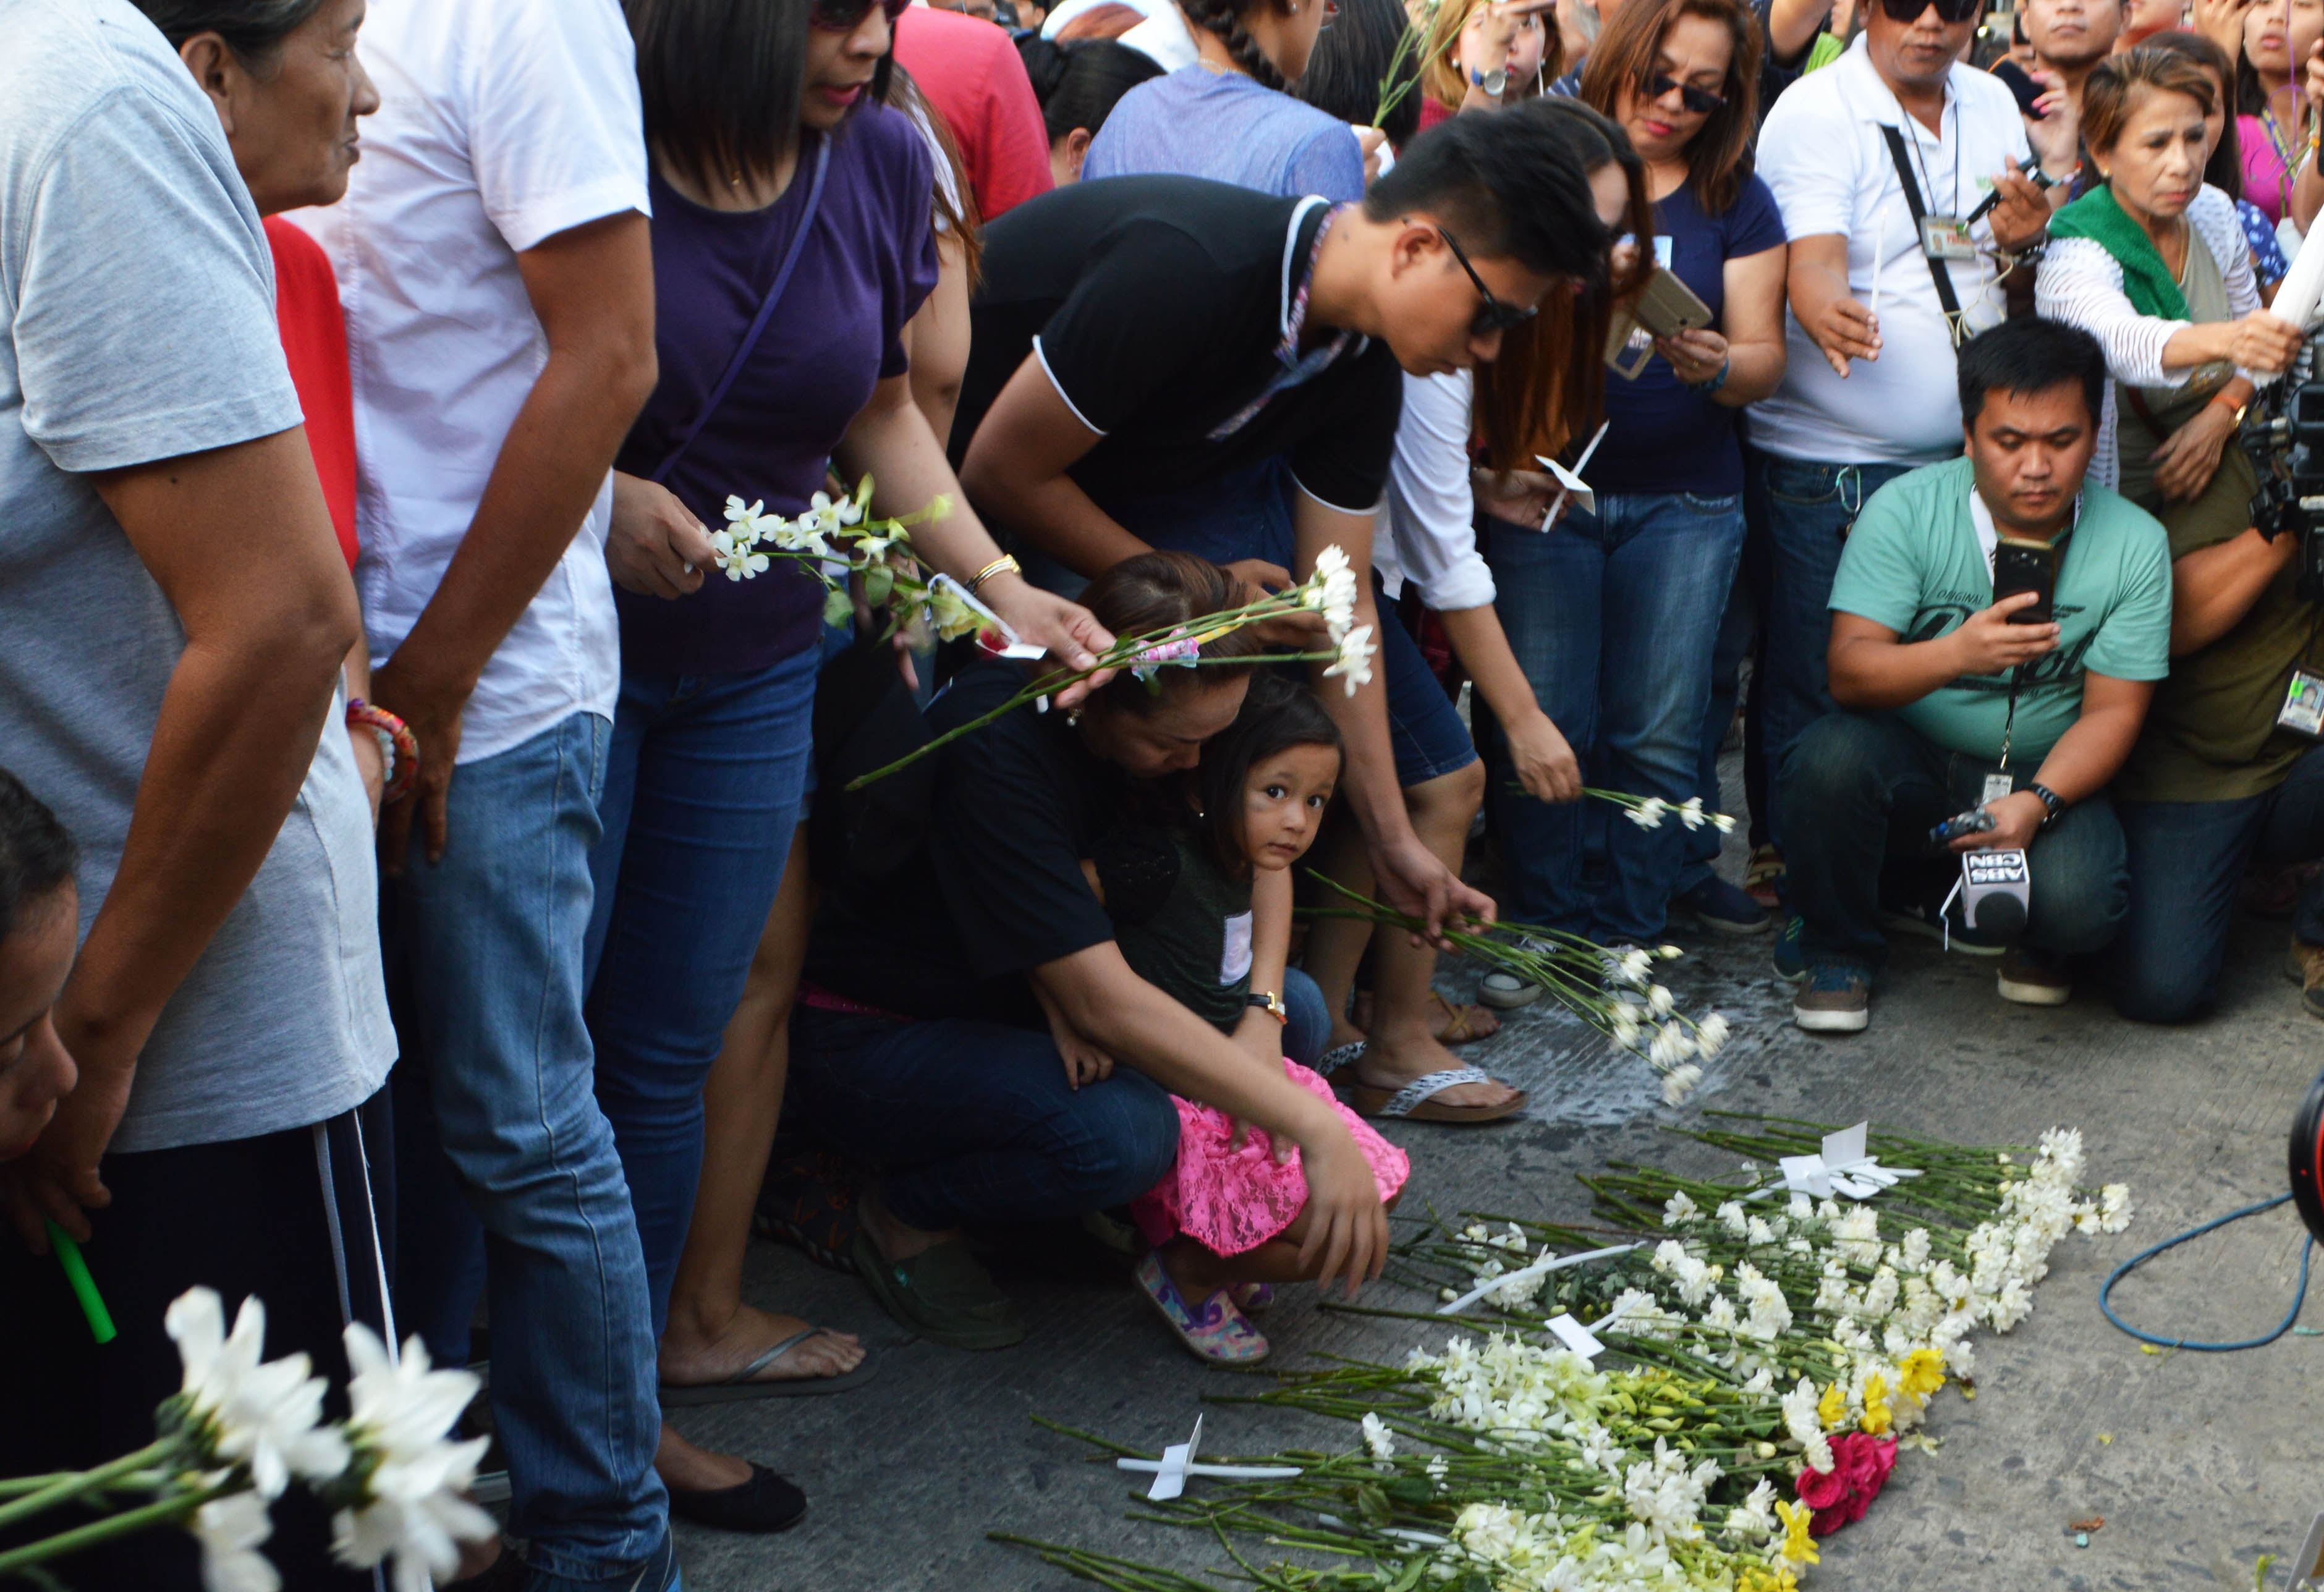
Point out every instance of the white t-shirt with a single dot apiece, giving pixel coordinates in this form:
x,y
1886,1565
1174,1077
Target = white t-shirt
x,y
1823,155
1432,526
501,124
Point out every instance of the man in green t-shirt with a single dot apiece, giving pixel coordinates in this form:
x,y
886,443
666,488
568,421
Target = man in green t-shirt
x,y
1950,703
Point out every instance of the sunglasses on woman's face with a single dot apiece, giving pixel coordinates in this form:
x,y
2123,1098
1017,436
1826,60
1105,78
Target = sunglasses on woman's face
x,y
1701,101
845,16
1951,13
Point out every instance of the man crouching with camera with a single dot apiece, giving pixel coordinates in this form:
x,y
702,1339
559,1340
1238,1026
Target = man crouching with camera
x,y
1996,721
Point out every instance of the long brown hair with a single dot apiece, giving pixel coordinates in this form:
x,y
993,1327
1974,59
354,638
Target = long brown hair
x,y
1439,39
1549,385
1719,155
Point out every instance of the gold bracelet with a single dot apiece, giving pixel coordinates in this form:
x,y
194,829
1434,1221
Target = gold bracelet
x,y
1004,564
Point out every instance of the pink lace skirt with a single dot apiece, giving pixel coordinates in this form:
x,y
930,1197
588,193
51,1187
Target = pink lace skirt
x,y
1232,1201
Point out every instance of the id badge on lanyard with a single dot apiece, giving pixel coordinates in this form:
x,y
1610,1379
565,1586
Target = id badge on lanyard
x,y
1946,238
2303,705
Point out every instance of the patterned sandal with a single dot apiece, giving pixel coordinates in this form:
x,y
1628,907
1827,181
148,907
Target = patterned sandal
x,y
1252,1298
1218,1333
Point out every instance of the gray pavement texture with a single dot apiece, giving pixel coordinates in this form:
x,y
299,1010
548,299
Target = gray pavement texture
x,y
2198,1463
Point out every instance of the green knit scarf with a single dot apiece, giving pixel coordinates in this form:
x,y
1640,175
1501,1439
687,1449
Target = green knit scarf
x,y
2146,280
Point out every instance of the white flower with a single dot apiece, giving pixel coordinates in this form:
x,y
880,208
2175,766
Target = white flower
x,y
1659,1000
804,535
744,519
1624,1018
2114,1210
1690,813
1331,592
230,1530
1677,1209
1723,822
1377,1438
1648,814
1354,664
1679,1083
736,554
414,1507
1711,1035
1730,1217
265,1415
1631,968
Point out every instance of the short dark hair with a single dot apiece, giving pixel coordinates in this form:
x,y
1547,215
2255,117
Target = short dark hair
x,y
722,81
1278,713
36,855
1370,51
2029,355
1514,185
1158,591
254,30
1080,83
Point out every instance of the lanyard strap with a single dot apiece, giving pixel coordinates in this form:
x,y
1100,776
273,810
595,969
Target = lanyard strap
x,y
1938,272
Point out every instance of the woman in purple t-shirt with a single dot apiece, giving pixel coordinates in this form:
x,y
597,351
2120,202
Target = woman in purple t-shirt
x,y
708,765
1614,613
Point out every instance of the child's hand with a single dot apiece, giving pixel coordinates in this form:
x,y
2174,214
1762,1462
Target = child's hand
x,y
1347,1229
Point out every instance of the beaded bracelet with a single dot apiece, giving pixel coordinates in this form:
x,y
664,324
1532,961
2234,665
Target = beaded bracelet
x,y
402,745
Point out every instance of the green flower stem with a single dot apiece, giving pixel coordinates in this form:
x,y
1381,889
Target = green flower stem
x,y
163,1512
64,1488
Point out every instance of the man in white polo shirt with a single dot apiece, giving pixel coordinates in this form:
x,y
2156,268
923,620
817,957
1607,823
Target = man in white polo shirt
x,y
492,257
1878,164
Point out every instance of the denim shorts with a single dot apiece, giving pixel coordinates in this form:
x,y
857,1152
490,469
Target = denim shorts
x,y
1423,725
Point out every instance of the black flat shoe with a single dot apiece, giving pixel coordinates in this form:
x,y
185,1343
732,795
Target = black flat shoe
x,y
764,1504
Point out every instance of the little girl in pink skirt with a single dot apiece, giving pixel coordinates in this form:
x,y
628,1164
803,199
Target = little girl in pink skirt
x,y
1202,910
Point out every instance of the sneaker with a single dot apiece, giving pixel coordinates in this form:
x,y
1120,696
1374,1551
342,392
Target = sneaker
x,y
942,1293
1836,999
1724,909
2304,966
2030,977
1762,878
1791,956
1924,919
1504,991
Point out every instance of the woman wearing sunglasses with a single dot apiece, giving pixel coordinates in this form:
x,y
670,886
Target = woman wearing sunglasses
x,y
792,245
1614,612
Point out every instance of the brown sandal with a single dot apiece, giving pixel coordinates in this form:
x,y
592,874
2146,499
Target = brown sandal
x,y
1417,1101
1460,1022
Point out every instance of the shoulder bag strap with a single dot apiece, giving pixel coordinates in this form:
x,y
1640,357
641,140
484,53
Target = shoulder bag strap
x,y
759,322
1937,271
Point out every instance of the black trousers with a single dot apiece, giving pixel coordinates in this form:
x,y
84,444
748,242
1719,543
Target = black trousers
x,y
300,1219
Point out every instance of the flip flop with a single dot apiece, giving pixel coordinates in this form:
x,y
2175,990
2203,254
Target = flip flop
x,y
1417,1100
741,1385
1338,1056
1462,1022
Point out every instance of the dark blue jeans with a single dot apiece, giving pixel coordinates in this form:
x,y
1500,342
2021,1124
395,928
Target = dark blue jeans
x,y
704,786
1612,616
1868,789
1742,633
972,1123
2186,861
1807,507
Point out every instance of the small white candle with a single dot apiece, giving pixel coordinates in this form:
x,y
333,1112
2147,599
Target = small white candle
x,y
1880,255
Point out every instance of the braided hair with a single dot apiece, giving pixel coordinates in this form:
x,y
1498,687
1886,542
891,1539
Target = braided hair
x,y
1223,18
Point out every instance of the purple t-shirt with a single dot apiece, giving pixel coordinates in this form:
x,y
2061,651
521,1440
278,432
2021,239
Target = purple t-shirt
x,y
1663,437
870,261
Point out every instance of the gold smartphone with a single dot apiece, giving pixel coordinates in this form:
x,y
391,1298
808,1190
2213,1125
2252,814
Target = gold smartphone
x,y
1665,307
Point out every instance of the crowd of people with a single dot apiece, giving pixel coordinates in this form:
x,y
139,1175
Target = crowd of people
x,y
435,885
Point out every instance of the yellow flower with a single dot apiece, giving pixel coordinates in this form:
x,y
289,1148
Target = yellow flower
x,y
1875,1404
1798,1546
1760,1578
1832,1408
1922,1373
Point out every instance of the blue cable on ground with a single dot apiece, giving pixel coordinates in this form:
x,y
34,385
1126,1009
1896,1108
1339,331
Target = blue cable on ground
x,y
2299,1297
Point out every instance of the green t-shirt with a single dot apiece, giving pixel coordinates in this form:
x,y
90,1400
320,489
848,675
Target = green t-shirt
x,y
1913,564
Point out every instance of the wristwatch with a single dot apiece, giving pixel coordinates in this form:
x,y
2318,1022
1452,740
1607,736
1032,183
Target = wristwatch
x,y
1495,82
2050,799
1269,1001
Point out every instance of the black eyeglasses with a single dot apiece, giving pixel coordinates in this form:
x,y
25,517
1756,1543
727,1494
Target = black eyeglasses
x,y
844,16
1949,12
1494,315
1701,101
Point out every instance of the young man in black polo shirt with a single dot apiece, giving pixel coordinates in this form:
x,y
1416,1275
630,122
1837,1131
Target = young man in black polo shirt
x,y
1161,361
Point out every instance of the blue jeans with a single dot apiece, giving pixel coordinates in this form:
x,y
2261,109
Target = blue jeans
x,y
972,1123
1868,787
1741,635
1612,616
1808,508
489,944
703,788
2186,860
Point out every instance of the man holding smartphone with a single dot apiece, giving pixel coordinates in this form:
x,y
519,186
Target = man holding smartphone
x,y
1950,703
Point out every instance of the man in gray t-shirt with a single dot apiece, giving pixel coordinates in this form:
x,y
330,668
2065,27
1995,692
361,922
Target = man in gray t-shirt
x,y
173,611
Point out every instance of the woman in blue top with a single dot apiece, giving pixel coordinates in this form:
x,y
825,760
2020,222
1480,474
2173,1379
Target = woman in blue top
x,y
768,126
1613,613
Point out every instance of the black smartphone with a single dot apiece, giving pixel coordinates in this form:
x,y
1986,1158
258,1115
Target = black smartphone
x,y
2026,567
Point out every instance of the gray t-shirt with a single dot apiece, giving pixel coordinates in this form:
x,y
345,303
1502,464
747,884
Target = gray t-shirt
x,y
138,295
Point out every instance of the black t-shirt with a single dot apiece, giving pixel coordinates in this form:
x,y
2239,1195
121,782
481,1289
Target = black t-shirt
x,y
997,889
1157,304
